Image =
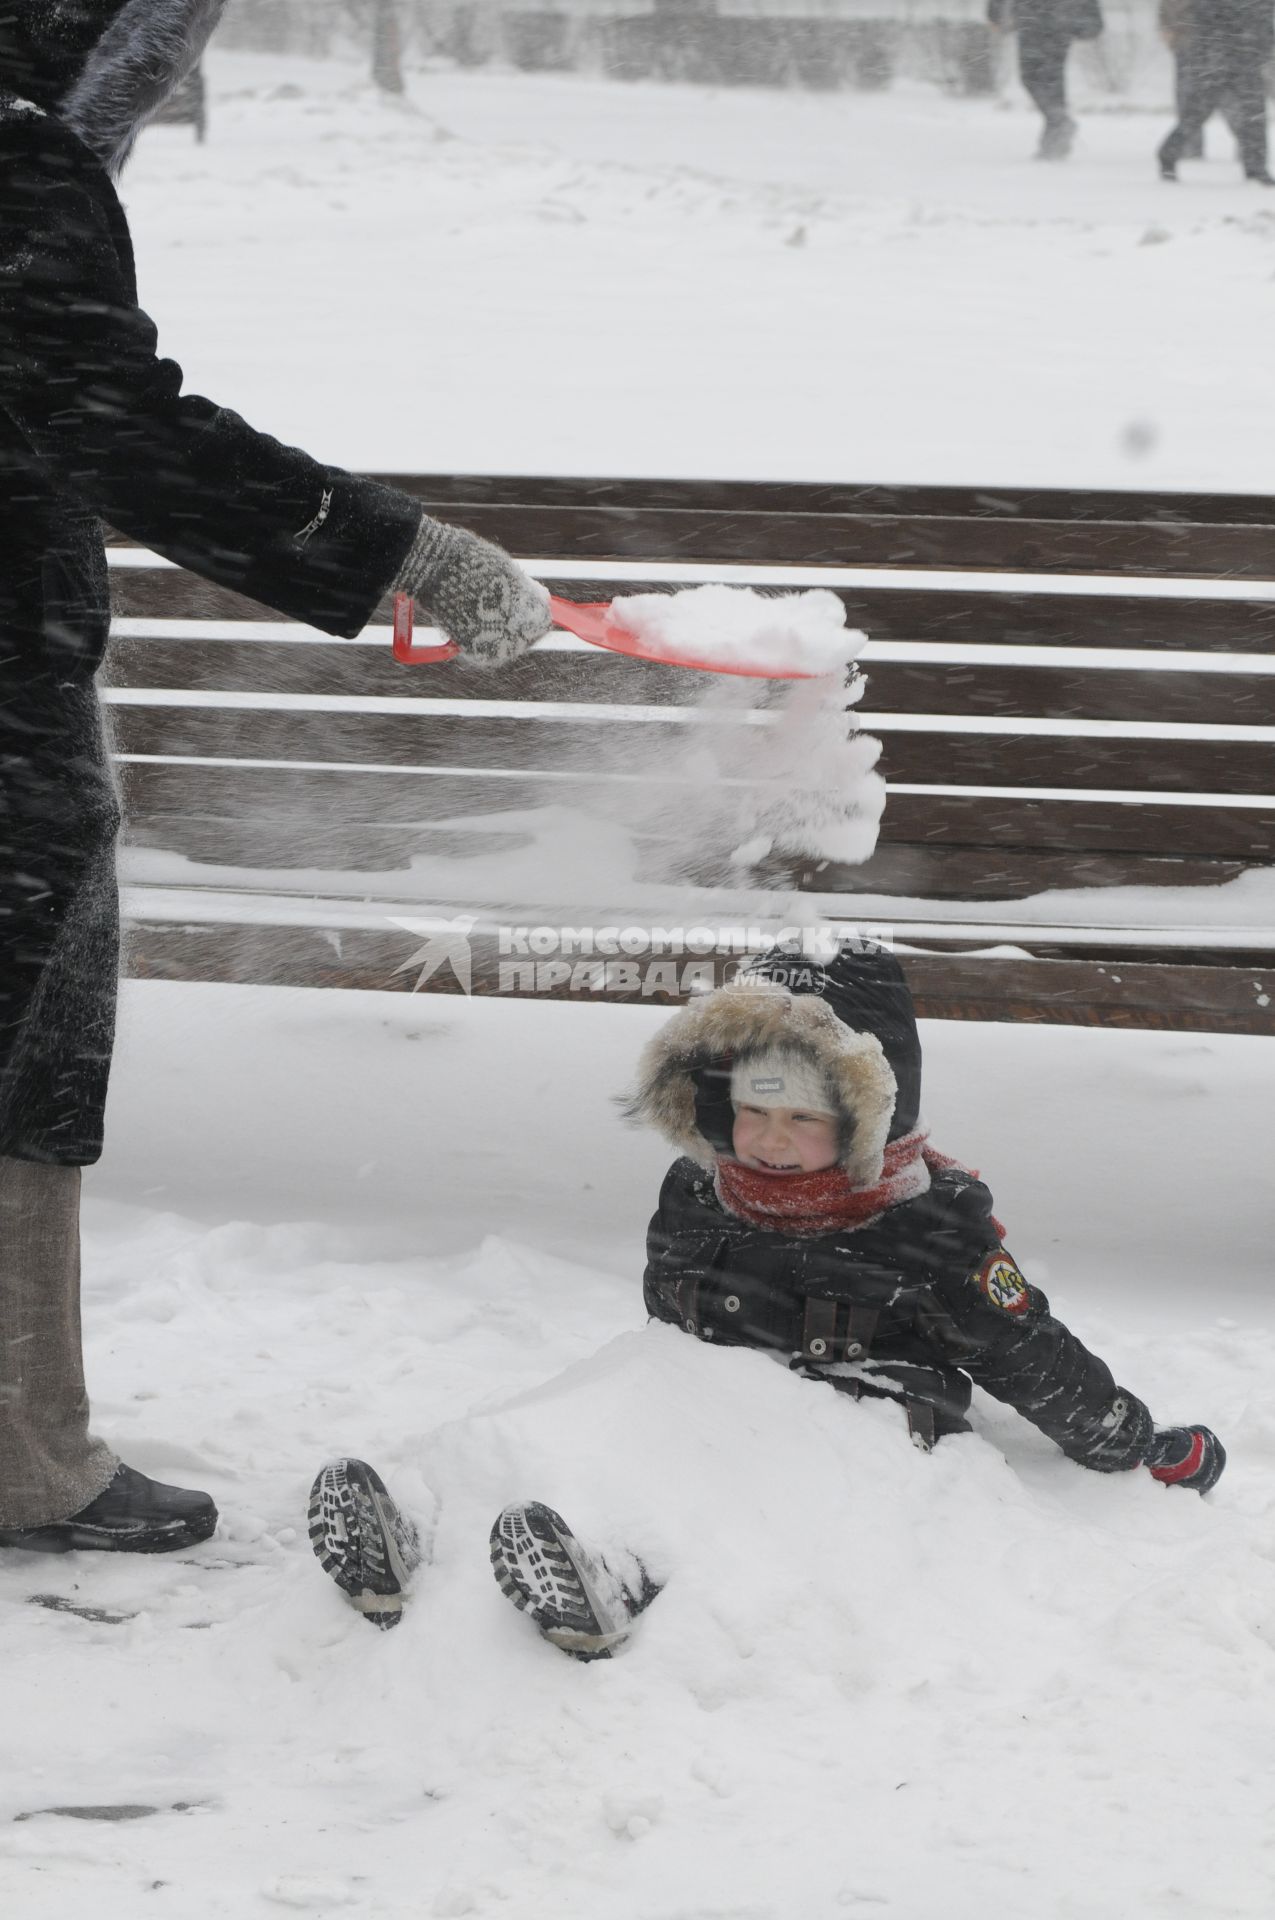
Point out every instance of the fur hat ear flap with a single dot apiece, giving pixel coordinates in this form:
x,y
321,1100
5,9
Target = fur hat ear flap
x,y
751,1017
865,1084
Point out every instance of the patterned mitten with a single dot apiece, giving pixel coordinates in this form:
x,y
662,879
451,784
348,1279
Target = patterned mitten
x,y
474,592
1186,1457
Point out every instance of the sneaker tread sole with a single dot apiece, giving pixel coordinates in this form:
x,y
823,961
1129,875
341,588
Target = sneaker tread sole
x,y
362,1540
541,1567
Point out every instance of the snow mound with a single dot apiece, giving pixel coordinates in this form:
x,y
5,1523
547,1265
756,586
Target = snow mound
x,y
874,1683
739,627
849,1632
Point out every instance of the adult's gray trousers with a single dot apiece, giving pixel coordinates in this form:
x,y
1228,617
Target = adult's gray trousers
x,y
50,1464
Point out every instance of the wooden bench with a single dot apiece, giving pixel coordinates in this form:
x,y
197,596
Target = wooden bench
x,y
1073,691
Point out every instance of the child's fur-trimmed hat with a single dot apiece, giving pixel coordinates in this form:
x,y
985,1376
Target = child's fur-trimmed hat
x,y
848,1021
686,1073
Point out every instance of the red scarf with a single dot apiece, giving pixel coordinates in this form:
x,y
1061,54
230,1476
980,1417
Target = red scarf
x,y
822,1202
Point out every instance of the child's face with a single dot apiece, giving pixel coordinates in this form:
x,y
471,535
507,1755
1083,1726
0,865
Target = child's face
x,y
784,1139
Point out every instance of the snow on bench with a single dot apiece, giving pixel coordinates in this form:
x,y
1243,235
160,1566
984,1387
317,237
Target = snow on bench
x,y
1075,695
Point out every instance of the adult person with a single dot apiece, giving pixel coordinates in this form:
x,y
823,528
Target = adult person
x,y
1046,29
1222,48
93,425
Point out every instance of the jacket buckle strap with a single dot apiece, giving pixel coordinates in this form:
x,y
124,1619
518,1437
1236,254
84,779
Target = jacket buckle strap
x,y
819,1331
688,1302
860,1328
921,1424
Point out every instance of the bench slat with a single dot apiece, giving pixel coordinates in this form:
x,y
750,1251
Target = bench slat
x,y
965,616
258,845
251,844
661,534
1008,823
804,496
1117,992
994,823
301,666
1175,765
972,873
1069,693
424,740
1037,528
1039,692
447,491
1012,760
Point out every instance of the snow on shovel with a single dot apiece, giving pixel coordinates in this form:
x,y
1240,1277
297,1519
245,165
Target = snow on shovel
x,y
790,636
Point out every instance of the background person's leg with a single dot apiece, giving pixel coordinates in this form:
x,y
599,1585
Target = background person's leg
x,y
1245,109
50,1465
1202,99
1216,81
1185,62
1042,65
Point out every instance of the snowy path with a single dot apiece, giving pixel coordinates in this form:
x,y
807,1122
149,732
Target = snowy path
x,y
877,1683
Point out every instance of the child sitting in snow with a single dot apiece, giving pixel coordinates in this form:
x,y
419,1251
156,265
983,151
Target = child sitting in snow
x,y
809,1217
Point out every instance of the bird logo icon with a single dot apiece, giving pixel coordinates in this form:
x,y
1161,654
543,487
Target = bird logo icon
x,y
447,944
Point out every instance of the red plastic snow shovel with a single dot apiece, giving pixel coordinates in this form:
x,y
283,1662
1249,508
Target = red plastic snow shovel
x,y
595,622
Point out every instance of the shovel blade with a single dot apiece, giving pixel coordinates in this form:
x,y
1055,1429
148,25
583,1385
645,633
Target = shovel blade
x,y
598,623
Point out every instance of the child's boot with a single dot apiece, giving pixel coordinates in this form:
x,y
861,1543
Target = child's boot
x,y
575,1599
361,1538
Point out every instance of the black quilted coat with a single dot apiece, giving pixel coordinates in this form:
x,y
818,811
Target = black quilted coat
x,y
906,1307
94,427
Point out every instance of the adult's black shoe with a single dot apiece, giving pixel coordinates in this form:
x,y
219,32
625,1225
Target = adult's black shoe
x,y
131,1515
1260,177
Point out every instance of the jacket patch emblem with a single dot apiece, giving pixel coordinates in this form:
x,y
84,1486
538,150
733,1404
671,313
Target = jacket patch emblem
x,y
1003,1284
312,526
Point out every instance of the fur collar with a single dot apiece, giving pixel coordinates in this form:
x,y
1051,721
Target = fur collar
x,y
142,56
745,1017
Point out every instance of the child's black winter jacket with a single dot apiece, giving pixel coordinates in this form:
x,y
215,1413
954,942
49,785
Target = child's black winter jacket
x,y
918,1303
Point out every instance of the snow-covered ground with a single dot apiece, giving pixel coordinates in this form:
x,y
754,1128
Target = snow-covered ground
x,y
554,274
984,1681
980,1683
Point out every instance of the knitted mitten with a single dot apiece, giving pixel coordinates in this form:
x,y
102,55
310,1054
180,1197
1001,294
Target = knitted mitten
x,y
474,592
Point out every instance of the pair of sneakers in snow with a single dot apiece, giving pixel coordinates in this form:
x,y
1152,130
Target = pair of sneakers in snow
x,y
371,1549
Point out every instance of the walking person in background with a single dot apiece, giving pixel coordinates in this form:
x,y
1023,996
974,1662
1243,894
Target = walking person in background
x,y
94,426
1222,48
1046,29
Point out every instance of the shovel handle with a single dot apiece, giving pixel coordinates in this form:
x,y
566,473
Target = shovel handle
x,y
404,652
